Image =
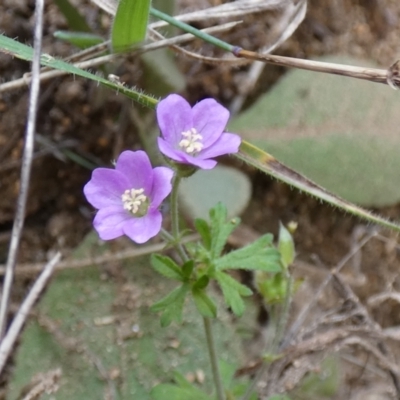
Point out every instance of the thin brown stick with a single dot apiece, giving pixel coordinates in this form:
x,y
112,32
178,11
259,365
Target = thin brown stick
x,y
32,269
387,76
9,340
94,62
26,167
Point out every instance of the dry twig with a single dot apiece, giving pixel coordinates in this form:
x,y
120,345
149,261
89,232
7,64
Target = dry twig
x,y
8,341
26,167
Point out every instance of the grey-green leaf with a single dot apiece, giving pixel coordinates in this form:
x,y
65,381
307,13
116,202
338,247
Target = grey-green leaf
x,y
224,184
342,133
90,326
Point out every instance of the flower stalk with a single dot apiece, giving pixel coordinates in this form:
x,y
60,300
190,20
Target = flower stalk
x,y
175,218
213,358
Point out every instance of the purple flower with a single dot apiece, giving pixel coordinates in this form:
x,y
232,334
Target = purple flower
x,y
128,197
194,135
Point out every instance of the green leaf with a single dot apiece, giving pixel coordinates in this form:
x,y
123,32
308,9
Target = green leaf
x,y
187,269
227,373
75,20
82,40
201,283
286,246
259,255
171,305
173,392
232,291
130,24
204,303
233,283
181,381
183,390
220,229
166,266
204,231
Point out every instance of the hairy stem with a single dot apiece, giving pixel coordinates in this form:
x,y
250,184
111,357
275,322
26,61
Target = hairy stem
x,y
175,218
213,358
188,28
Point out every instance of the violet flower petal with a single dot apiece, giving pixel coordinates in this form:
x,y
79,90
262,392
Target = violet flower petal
x,y
168,150
105,188
137,169
109,222
182,157
162,185
228,143
174,116
209,119
140,230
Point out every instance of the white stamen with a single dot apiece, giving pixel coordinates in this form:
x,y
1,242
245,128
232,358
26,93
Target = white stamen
x,y
133,199
191,142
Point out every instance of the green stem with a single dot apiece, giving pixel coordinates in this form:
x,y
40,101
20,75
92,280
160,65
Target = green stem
x,y
213,358
279,333
207,322
187,28
175,218
167,236
284,314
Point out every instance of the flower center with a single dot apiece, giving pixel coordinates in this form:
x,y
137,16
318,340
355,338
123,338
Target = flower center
x,y
191,141
135,202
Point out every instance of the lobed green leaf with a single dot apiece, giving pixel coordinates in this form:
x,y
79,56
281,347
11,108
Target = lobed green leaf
x,y
201,283
220,229
204,303
166,266
203,228
259,255
172,305
231,289
187,269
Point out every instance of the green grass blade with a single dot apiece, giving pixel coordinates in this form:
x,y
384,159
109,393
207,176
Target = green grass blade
x,y
82,40
130,24
188,28
267,163
75,20
251,154
19,50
